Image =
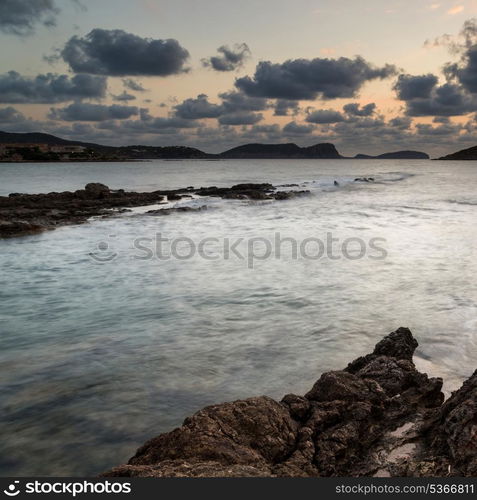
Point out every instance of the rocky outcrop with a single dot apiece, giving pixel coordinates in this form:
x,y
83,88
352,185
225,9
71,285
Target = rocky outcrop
x,y
377,417
22,214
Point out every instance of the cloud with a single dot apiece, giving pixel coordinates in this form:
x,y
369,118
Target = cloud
x,y
124,97
237,101
457,44
284,106
118,53
19,17
445,100
170,123
323,116
409,87
459,95
240,118
308,79
200,107
457,9
401,122
11,115
133,85
87,112
465,72
353,109
230,58
294,128
50,88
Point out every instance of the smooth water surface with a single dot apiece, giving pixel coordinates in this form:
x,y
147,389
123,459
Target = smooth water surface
x,y
95,358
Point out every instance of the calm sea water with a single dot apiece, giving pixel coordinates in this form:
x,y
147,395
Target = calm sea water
x,y
95,358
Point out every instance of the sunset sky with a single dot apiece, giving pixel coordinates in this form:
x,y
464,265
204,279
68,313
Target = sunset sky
x,y
369,76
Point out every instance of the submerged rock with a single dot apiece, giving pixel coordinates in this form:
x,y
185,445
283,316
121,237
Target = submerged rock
x,y
377,417
169,211
364,179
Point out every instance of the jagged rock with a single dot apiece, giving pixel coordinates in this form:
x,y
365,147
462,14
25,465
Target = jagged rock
x,y
169,211
377,417
364,179
22,214
96,188
455,435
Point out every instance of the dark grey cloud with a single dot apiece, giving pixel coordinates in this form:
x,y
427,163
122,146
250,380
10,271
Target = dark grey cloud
x,y
294,128
240,118
118,53
87,112
446,129
20,17
50,88
441,119
133,85
237,101
465,71
308,79
153,123
11,115
446,100
323,116
353,109
124,97
170,123
401,122
409,87
200,107
229,59
284,107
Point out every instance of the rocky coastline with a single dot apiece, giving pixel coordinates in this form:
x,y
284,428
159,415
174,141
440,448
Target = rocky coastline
x,y
24,214
377,417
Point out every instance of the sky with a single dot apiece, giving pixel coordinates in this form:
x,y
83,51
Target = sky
x,y
368,76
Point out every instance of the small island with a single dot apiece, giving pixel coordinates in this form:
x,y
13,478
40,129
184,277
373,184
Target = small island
x,y
396,155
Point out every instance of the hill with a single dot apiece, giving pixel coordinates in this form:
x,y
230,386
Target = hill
x,y
463,154
40,138
285,151
396,155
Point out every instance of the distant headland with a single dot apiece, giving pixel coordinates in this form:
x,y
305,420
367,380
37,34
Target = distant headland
x,y
463,154
39,147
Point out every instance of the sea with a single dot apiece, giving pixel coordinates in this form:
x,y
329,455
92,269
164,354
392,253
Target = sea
x,y
114,331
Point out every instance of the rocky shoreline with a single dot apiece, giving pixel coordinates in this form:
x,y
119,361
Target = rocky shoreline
x,y
23,214
377,417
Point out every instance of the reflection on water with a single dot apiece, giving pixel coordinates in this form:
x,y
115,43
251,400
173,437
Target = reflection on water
x,y
96,358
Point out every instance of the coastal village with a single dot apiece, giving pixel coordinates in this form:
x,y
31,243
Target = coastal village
x,y
20,152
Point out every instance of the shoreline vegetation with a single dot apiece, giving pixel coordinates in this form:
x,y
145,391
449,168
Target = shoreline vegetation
x,y
377,417
38,147
24,214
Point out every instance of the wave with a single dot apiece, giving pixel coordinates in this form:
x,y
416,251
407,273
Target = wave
x,y
463,202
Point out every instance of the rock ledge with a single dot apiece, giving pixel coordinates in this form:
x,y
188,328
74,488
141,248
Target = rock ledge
x,y
377,417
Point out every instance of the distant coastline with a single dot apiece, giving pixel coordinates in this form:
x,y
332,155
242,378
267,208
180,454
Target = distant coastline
x,y
39,147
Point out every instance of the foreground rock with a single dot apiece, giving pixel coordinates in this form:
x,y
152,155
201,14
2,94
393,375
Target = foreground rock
x,y
377,417
22,214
